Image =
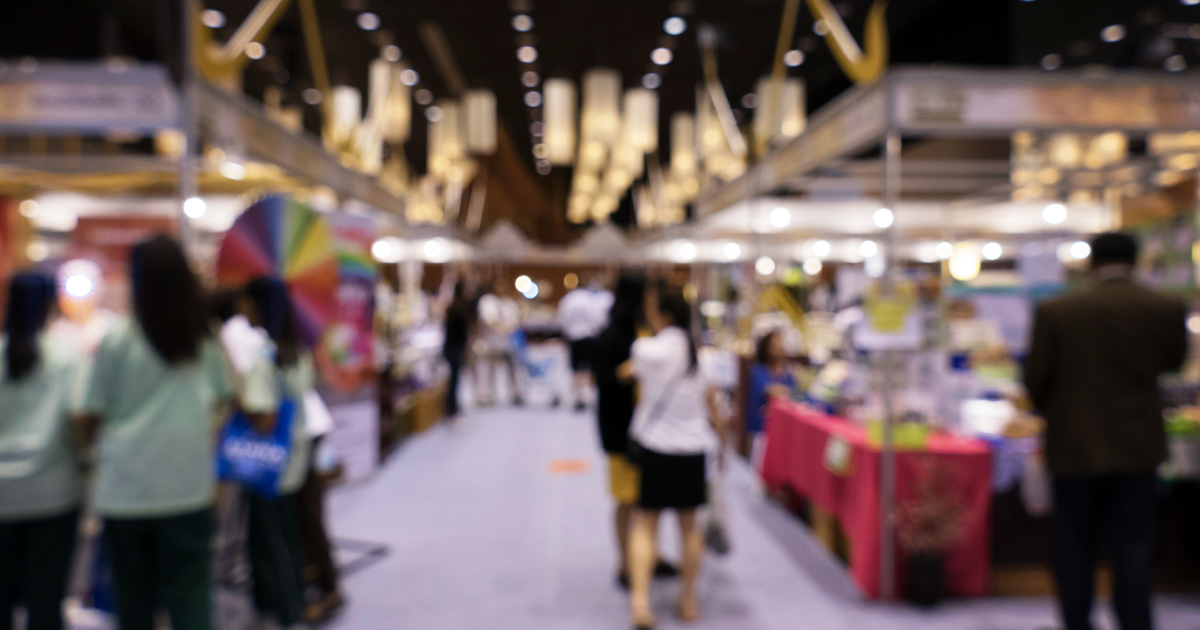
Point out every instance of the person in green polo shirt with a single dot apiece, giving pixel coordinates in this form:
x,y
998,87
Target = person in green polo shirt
x,y
40,485
284,369
155,398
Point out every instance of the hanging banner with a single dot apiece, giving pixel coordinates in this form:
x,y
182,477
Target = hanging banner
x,y
346,353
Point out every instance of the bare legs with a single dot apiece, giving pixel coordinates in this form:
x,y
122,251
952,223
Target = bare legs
x,y
624,516
641,566
642,559
693,549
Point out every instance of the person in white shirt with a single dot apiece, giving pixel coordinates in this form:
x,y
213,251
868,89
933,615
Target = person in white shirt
x,y
675,423
583,314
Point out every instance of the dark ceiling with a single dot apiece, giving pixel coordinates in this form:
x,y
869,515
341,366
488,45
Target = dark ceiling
x,y
574,35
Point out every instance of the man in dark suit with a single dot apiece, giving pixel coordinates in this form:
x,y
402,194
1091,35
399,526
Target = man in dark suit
x,y
1092,372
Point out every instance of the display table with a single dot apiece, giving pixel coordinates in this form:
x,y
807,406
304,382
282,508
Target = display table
x,y
956,471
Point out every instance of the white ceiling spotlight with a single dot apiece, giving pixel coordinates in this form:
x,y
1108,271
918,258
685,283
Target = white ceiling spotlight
x,y
883,218
212,18
1081,250
522,23
732,250
675,25
812,266
368,21
687,252
822,249
764,266
527,54
1055,213
944,250
661,56
793,58
993,251
780,217
868,249
1113,33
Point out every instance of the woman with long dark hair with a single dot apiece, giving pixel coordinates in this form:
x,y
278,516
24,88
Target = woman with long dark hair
x,y
672,429
284,370
40,486
615,402
155,397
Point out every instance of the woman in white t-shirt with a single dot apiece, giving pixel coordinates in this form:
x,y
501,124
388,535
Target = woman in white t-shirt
x,y
673,427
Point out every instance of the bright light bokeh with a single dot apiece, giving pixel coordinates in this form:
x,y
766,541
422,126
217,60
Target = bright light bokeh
x,y
194,207
78,286
780,217
1055,213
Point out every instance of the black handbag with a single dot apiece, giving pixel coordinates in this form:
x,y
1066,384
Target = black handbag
x,y
633,449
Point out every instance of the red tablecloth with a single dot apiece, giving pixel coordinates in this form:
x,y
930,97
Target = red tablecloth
x,y
957,469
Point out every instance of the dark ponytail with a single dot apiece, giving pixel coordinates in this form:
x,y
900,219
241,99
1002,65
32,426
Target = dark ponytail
x,y
675,307
30,296
274,309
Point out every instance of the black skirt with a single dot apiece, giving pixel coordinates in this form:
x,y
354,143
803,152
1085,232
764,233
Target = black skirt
x,y
672,481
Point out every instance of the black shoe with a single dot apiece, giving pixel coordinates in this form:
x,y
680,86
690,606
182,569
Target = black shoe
x,y
664,569
623,580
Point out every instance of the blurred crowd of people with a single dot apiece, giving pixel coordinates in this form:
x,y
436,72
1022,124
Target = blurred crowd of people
x,y
120,416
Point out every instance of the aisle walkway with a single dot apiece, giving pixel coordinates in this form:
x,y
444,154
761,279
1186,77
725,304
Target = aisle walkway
x,y
479,533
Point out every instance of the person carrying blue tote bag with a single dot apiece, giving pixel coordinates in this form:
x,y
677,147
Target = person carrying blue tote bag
x,y
254,459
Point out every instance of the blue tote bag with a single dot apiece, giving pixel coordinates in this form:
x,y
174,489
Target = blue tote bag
x,y
256,460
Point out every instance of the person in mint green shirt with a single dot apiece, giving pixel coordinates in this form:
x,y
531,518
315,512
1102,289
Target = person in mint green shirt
x,y
40,486
155,399
284,369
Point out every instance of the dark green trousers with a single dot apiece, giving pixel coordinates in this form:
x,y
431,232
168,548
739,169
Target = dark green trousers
x,y
276,557
35,556
164,562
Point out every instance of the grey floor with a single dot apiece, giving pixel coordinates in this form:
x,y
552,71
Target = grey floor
x,y
467,527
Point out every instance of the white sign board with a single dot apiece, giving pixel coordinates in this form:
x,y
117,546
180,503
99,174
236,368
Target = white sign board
x,y
82,97
355,437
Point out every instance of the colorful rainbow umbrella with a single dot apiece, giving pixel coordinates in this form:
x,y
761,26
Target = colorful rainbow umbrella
x,y
282,238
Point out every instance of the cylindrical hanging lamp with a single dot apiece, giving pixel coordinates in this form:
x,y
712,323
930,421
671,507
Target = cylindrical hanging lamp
x,y
347,113
792,108
558,115
480,113
641,119
601,120
683,145
396,120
